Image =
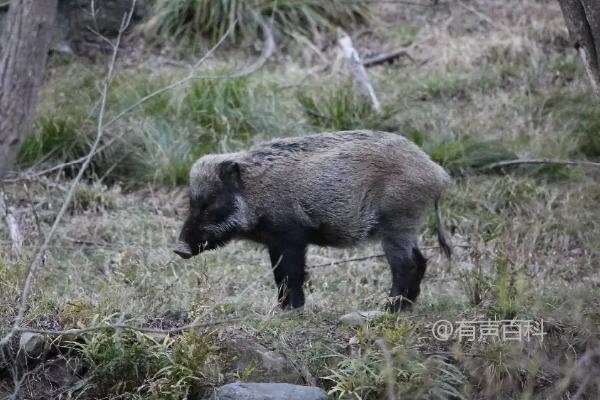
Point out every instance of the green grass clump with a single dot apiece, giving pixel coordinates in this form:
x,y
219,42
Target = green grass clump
x,y
165,134
389,342
152,368
464,155
54,139
164,155
205,116
581,114
343,108
188,19
93,200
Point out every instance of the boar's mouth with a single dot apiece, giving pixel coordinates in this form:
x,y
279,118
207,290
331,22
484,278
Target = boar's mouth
x,y
185,250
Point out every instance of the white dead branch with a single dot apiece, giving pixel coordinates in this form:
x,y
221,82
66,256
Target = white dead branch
x,y
9,215
358,71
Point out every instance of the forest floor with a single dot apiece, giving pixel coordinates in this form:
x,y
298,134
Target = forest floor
x,y
486,78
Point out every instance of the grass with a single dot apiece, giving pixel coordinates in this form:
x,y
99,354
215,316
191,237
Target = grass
x,y
581,117
526,243
138,366
189,20
52,140
342,109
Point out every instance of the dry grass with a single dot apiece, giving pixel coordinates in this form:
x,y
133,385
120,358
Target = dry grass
x,y
504,76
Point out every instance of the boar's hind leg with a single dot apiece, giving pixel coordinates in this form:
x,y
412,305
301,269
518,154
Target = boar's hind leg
x,y
287,259
408,267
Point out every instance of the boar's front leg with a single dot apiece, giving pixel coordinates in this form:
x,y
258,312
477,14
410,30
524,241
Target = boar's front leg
x,y
288,257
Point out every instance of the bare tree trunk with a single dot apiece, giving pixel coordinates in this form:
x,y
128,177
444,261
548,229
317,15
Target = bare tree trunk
x,y
583,21
24,48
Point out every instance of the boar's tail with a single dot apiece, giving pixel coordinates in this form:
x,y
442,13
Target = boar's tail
x,y
440,231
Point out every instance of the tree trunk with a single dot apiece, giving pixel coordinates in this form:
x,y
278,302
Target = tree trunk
x,y
583,21
24,48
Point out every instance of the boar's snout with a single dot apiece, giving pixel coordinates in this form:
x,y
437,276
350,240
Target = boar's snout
x,y
184,250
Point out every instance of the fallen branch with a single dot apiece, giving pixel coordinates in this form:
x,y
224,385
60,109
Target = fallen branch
x,y
345,261
39,256
386,57
380,255
358,71
9,215
507,163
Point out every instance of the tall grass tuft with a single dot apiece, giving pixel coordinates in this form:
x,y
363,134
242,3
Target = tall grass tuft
x,y
54,139
581,116
342,108
461,156
165,368
188,19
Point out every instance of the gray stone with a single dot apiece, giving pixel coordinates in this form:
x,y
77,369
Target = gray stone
x,y
64,372
33,345
74,20
267,391
266,365
360,318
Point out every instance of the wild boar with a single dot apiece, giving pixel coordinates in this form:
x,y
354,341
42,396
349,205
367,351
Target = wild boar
x,y
330,189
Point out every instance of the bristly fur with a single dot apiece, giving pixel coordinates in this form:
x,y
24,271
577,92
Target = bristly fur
x,y
329,189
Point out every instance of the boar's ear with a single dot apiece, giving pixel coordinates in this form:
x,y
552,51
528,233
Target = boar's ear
x,y
231,173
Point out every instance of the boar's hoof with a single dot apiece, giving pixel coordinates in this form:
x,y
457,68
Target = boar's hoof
x,y
183,250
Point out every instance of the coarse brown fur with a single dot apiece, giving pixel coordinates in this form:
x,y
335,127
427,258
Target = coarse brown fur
x,y
329,189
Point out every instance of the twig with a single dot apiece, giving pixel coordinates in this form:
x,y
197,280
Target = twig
x,y
507,163
433,3
39,257
266,52
337,262
347,260
9,215
358,70
386,57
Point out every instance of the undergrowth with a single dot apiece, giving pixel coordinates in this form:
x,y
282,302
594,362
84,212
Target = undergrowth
x,y
189,20
138,366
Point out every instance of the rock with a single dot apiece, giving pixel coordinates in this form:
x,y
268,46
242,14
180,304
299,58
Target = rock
x,y
360,318
64,371
267,391
74,20
266,365
32,345
78,18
